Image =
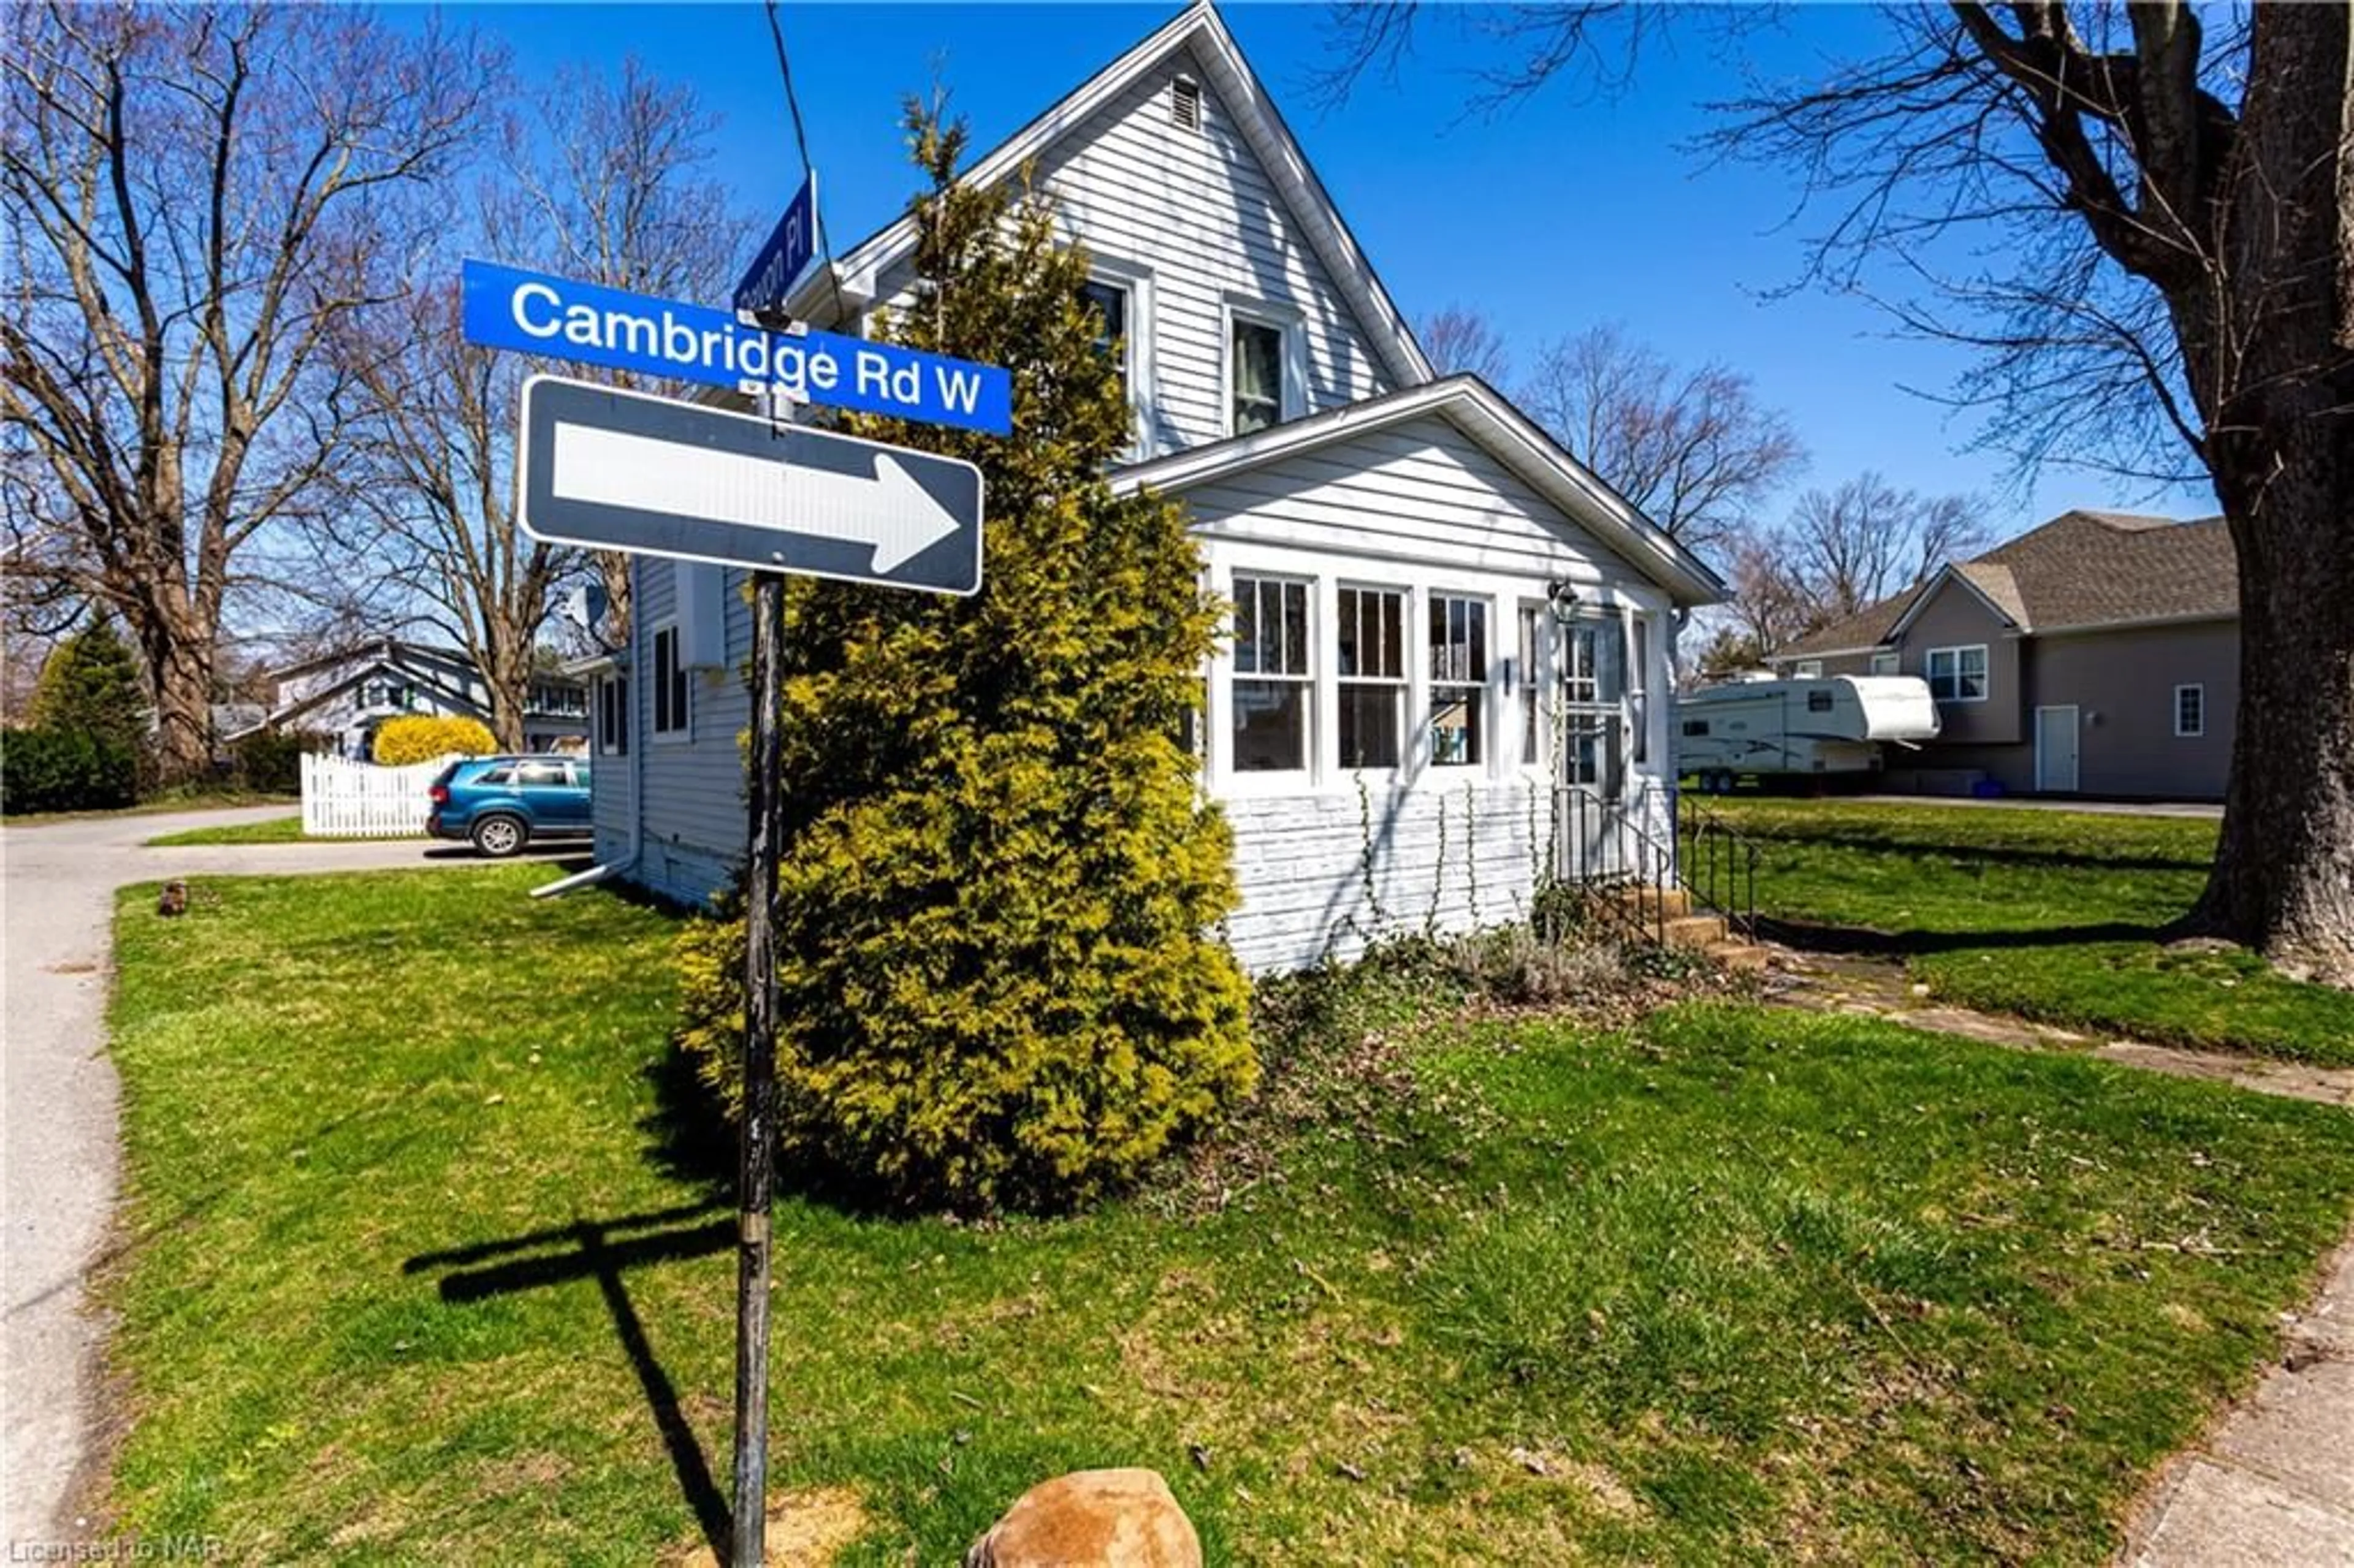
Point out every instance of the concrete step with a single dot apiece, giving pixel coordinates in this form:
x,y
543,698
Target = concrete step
x,y
1733,954
1642,898
1694,931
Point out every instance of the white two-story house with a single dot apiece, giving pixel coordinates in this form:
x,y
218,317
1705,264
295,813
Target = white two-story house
x,y
1438,614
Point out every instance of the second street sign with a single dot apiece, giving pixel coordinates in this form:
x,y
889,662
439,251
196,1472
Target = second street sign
x,y
621,470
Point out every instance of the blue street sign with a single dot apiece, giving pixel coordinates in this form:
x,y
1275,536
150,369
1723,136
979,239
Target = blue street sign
x,y
791,243
505,307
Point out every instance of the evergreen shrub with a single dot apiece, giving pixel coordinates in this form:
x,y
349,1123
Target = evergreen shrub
x,y
65,770
1000,881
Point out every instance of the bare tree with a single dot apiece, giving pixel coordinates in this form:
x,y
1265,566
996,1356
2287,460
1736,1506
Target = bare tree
x,y
2154,207
1849,548
1694,450
606,185
196,199
1460,341
620,196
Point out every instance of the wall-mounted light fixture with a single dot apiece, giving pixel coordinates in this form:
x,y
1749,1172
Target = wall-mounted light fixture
x,y
1561,594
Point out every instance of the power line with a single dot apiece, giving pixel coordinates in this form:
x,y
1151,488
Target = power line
x,y
800,140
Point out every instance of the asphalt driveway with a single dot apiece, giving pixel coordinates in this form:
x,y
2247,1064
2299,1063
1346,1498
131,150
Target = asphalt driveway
x,y
58,1132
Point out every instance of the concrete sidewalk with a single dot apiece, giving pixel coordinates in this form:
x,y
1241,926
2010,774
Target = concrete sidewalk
x,y
58,1129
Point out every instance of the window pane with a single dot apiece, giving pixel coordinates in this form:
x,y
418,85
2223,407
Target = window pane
x,y
1294,629
1369,724
1455,726
1246,625
1258,371
1368,640
1527,673
1270,727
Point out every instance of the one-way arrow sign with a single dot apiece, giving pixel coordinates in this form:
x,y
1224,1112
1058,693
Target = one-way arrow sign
x,y
622,471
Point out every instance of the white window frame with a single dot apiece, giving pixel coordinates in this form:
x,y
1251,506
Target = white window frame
x,y
1484,687
1401,684
1316,604
1292,360
1986,672
1887,664
683,732
1808,670
2199,731
1116,272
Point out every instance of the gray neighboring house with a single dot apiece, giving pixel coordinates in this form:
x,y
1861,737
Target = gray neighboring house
x,y
347,693
2098,654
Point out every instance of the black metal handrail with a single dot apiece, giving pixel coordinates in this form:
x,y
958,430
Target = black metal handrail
x,y
1718,863
1626,828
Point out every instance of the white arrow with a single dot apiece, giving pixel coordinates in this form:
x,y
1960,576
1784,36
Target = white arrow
x,y
891,510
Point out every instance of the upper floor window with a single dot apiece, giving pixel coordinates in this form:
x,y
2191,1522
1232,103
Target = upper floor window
x,y
1273,685
1459,679
1110,302
2189,710
670,683
1957,674
1254,371
1885,663
1371,643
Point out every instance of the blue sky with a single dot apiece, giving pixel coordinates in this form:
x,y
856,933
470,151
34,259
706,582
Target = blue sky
x,y
1566,211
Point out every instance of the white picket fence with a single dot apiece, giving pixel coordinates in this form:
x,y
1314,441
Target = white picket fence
x,y
344,800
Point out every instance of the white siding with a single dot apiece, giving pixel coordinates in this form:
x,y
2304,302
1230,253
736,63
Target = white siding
x,y
1323,876
1419,492
1196,211
693,831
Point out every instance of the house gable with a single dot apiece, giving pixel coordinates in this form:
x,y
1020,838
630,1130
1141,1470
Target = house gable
x,y
1198,223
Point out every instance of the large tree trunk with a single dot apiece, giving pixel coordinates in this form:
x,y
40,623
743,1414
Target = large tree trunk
x,y
180,672
2281,448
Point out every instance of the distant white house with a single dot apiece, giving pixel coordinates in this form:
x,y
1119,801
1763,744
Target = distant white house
x,y
1438,614
347,693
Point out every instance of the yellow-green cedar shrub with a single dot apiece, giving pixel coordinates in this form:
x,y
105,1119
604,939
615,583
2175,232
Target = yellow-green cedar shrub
x,y
996,899
421,737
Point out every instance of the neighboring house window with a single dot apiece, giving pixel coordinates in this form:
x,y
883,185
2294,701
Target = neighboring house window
x,y
1885,663
670,683
1809,669
2189,710
1459,679
1958,674
1371,645
613,715
1272,690
1255,374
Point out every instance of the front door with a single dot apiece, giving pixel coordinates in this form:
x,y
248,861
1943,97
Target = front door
x,y
1589,667
2055,750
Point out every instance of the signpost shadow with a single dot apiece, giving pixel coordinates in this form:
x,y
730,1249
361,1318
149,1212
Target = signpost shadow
x,y
602,1250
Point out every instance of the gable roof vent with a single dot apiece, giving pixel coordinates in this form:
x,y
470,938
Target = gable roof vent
x,y
1185,103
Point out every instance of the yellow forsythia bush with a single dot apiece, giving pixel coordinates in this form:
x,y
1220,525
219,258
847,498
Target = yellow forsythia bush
x,y
421,737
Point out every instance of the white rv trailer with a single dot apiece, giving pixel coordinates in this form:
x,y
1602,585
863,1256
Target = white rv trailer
x,y
1829,723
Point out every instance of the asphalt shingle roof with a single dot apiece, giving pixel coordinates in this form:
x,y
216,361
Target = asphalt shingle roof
x,y
2081,569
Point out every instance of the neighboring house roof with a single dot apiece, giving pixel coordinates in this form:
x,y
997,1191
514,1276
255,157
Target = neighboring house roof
x,y
1198,28
2081,571
458,702
1483,414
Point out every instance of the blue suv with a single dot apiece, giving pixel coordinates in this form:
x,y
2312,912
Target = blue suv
x,y
501,803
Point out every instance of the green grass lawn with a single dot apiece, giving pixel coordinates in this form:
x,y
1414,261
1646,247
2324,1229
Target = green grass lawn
x,y
2050,914
275,831
429,1262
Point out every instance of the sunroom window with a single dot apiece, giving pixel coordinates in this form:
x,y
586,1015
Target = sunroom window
x,y
1272,685
1372,668
1459,681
